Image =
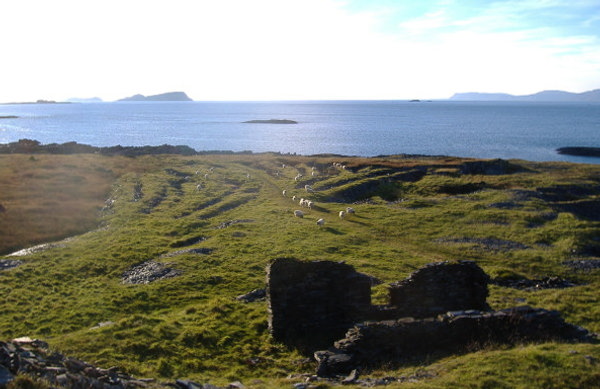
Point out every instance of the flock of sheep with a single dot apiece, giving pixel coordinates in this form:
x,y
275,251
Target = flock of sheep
x,y
309,204
302,201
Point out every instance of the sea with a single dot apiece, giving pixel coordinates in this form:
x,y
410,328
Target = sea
x,y
509,130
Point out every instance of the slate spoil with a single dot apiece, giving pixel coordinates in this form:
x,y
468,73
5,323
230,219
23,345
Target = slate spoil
x,y
527,284
6,264
32,357
148,272
583,264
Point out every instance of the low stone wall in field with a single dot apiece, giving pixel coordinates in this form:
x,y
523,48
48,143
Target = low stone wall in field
x,y
374,343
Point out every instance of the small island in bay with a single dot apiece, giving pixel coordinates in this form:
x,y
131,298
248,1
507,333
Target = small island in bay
x,y
272,121
9,117
580,151
169,96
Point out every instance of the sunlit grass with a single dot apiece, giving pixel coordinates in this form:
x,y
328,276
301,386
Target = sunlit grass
x,y
191,326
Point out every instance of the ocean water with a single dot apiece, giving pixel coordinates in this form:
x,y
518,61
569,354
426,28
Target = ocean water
x,y
521,130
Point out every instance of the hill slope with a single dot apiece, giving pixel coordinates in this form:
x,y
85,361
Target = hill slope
x,y
213,223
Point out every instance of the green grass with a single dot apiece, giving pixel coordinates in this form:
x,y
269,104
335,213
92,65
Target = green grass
x,y
192,327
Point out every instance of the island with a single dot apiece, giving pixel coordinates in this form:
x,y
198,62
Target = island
x,y
580,151
547,95
169,96
272,121
9,117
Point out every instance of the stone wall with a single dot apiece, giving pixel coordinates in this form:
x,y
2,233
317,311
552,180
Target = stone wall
x,y
311,304
440,287
373,343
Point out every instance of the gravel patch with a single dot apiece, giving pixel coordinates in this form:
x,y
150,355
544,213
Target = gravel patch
x,y
6,264
147,272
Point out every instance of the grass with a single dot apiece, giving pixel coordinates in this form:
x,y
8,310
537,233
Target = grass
x,y
192,327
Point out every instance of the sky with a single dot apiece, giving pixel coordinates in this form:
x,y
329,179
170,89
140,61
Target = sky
x,y
296,50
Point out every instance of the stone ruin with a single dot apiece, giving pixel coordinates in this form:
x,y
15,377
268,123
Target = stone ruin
x,y
440,308
311,304
440,287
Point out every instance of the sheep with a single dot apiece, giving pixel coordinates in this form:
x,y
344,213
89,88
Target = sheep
x,y
321,222
308,188
298,213
309,204
313,173
302,202
350,210
206,176
342,214
298,177
294,198
198,187
284,192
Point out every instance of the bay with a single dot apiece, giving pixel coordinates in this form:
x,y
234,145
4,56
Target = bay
x,y
521,130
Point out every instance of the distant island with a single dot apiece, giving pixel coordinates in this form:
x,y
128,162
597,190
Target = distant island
x,y
170,96
272,121
548,95
38,102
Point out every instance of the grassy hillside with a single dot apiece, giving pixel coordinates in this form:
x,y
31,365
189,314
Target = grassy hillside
x,y
122,212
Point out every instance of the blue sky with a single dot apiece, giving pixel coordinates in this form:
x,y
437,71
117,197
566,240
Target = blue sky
x,y
290,49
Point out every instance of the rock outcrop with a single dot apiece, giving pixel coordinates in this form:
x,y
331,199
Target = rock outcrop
x,y
32,357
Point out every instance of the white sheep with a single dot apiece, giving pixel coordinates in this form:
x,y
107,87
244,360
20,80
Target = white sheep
x,y
298,213
342,214
298,177
308,188
350,210
206,176
294,198
309,204
321,222
284,192
301,202
199,186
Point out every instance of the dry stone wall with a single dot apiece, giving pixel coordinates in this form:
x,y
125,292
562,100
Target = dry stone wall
x,y
311,304
440,308
440,287
370,344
